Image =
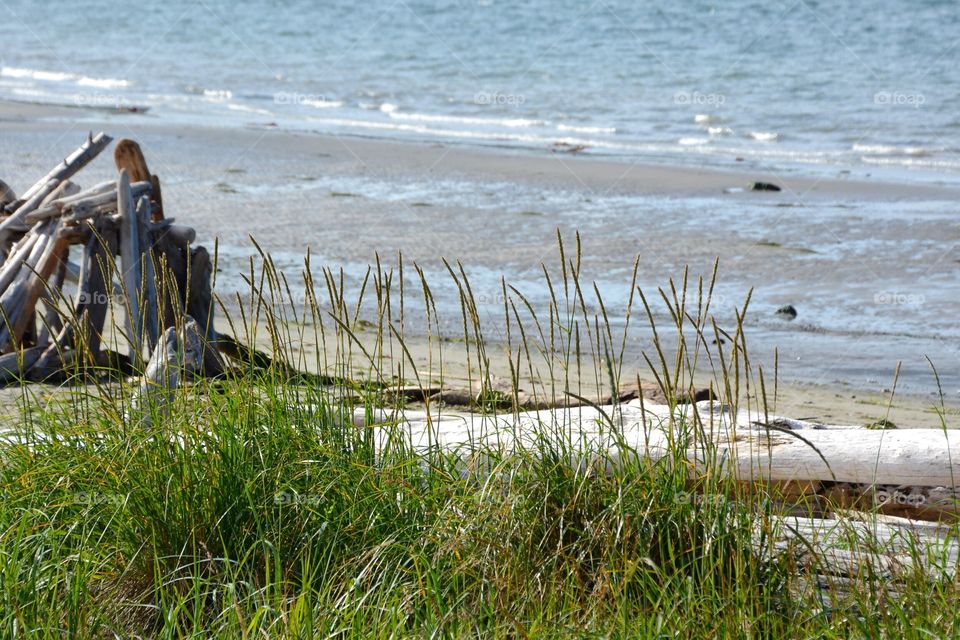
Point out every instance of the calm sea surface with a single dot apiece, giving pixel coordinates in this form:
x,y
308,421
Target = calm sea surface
x,y
785,85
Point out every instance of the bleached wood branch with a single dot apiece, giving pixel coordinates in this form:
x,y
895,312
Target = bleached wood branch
x,y
130,266
886,466
35,195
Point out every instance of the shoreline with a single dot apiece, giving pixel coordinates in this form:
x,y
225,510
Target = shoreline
x,y
541,166
450,363
231,184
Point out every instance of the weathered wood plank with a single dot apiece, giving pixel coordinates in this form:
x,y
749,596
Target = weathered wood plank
x,y
16,296
149,285
171,258
51,297
128,155
200,307
35,285
131,277
93,299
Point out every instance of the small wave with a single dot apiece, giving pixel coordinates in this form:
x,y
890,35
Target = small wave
x,y
319,103
772,153
424,129
245,109
388,107
36,94
706,118
912,162
892,150
576,129
217,94
719,131
49,76
692,142
87,100
502,122
103,83
765,136
59,76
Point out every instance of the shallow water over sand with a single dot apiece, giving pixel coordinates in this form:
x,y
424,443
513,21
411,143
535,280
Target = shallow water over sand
x,y
872,283
874,276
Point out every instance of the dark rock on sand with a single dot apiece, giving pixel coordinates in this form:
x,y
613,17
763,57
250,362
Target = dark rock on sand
x,y
763,186
787,312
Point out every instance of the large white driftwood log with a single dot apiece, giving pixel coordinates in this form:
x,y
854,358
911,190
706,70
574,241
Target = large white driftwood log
x,y
749,447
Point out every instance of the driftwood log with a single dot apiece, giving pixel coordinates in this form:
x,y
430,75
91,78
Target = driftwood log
x,y
48,328
179,354
902,472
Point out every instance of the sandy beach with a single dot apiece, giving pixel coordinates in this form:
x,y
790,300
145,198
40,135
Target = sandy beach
x,y
872,287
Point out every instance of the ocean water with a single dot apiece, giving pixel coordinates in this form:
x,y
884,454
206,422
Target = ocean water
x,y
801,85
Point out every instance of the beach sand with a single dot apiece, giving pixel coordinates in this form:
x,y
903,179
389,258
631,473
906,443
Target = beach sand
x,y
452,363
814,245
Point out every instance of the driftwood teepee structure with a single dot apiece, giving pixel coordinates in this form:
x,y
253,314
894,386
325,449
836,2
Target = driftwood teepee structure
x,y
132,259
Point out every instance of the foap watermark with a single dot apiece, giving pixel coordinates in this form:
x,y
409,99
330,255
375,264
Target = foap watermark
x,y
296,98
884,497
899,99
93,497
898,298
684,497
294,498
98,99
497,299
93,298
495,98
698,98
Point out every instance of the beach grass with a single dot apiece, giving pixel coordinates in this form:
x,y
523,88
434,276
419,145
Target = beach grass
x,y
254,506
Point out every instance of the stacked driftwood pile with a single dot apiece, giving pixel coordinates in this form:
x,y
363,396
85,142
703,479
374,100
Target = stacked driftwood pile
x,y
136,273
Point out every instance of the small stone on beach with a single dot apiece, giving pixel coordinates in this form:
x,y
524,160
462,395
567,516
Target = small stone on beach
x,y
787,312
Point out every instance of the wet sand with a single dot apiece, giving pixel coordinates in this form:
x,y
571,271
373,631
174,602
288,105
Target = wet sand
x,y
450,362
872,267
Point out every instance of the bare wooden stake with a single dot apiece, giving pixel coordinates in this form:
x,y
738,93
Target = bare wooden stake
x,y
149,284
130,266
